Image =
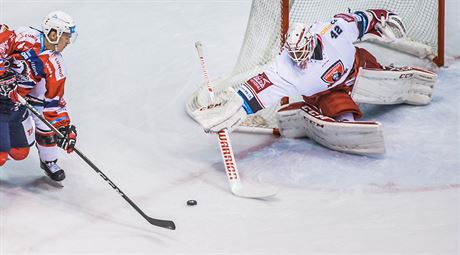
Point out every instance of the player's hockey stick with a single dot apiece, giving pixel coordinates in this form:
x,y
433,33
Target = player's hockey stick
x,y
159,223
227,152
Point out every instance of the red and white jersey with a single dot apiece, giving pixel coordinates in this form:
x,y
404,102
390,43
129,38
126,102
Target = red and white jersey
x,y
286,78
7,39
49,72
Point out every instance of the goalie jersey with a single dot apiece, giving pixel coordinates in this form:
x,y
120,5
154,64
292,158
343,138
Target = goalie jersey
x,y
331,65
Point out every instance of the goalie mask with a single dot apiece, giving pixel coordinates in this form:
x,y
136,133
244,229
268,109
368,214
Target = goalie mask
x,y
60,22
300,43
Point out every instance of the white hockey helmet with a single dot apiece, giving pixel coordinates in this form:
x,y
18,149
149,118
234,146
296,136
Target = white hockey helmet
x,y
61,22
300,43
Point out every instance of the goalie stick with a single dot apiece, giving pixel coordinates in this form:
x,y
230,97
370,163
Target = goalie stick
x,y
156,222
228,157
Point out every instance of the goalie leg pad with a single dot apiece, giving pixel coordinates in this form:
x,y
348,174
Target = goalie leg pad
x,y
299,119
290,123
363,138
394,86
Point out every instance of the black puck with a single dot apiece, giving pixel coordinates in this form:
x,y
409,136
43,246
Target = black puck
x,y
192,202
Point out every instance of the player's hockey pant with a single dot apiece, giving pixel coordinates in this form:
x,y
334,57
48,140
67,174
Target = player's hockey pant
x,y
46,140
16,134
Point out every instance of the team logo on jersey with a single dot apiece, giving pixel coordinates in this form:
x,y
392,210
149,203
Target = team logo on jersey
x,y
259,83
334,73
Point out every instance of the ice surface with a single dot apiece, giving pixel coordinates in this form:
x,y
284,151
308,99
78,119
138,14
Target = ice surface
x,y
130,72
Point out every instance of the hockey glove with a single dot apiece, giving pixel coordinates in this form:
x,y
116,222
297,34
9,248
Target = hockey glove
x,y
70,138
226,112
382,24
23,73
8,86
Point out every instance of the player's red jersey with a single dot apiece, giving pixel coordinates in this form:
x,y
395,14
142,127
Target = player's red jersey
x,y
48,71
7,40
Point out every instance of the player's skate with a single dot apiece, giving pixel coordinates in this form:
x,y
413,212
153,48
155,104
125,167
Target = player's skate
x,y
53,170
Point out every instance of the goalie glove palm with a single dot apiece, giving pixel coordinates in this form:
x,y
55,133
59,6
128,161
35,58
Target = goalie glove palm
x,y
382,25
226,112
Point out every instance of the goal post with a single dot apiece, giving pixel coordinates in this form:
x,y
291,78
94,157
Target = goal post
x,y
269,21
439,59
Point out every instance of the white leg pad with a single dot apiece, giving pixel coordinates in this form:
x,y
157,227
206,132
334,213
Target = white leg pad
x,y
290,123
359,137
394,86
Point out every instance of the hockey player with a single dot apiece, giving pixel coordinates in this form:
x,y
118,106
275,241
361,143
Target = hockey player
x,y
16,127
320,63
42,51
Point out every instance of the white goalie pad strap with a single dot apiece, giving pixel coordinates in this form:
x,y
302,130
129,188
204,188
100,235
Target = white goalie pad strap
x,y
364,138
225,113
394,86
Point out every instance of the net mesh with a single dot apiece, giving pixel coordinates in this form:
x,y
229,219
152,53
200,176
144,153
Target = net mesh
x,y
263,38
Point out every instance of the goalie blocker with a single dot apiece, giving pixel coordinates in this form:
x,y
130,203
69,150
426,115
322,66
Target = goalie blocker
x,y
226,112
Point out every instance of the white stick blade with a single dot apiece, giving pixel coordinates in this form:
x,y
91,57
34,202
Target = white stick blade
x,y
254,191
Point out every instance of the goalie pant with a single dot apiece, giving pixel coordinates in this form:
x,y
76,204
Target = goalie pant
x,y
16,133
333,68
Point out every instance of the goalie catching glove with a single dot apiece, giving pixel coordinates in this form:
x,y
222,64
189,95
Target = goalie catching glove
x,y
226,112
379,24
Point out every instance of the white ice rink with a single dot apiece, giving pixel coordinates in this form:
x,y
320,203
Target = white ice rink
x,y
130,73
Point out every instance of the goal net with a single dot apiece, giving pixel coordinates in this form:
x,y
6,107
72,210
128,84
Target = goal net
x,y
269,20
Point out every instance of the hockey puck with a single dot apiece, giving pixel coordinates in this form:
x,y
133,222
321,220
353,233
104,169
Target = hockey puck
x,y
192,202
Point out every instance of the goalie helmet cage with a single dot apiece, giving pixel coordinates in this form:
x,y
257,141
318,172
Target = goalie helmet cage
x,y
269,21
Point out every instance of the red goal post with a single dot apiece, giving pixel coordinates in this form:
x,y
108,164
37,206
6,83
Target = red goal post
x,y
269,21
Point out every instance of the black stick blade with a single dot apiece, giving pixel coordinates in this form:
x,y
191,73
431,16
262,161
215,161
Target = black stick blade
x,y
162,223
